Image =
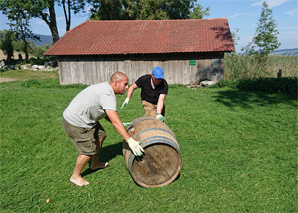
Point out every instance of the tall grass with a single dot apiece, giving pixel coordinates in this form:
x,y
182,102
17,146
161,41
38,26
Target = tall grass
x,y
238,149
288,65
252,66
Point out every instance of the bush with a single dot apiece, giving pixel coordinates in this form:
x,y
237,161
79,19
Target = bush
x,y
268,85
33,83
225,83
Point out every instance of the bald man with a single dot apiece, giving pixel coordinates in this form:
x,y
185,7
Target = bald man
x,y
80,121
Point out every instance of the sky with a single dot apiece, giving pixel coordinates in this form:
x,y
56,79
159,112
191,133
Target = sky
x,y
242,15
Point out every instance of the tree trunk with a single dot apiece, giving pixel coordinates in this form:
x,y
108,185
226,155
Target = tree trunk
x,y
26,48
67,14
53,24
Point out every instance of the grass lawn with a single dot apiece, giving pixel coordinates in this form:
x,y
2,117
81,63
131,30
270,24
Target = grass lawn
x,y
238,149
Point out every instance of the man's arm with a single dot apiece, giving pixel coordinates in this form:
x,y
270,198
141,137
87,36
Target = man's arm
x,y
131,89
113,117
160,103
129,94
118,125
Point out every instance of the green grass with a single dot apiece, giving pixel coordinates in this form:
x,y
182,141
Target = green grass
x,y
238,149
23,75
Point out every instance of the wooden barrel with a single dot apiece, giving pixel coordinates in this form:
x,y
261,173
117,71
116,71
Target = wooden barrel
x,y
161,163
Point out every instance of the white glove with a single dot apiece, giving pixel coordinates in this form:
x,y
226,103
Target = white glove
x,y
135,147
127,124
125,103
160,117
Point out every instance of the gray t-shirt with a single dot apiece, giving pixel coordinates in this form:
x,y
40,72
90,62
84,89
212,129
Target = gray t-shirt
x,y
90,104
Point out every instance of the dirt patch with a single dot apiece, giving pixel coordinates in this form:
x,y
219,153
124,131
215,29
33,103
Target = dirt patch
x,y
6,79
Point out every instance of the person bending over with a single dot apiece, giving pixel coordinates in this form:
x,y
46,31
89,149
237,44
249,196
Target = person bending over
x,y
80,121
154,89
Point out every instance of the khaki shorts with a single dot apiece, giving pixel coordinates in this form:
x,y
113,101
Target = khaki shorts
x,y
84,139
150,109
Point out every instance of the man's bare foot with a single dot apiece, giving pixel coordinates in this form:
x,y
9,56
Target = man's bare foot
x,y
78,181
100,165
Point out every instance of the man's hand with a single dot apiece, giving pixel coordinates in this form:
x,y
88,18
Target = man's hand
x,y
135,147
125,103
160,117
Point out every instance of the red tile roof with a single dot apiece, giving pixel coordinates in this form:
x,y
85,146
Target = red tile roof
x,y
145,36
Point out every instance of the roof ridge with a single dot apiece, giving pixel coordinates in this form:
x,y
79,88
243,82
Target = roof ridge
x,y
164,20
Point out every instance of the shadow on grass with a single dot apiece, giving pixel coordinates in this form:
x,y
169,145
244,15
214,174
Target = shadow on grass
x,y
245,99
107,153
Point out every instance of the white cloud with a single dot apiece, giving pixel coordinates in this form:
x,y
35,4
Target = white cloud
x,y
271,3
236,15
292,12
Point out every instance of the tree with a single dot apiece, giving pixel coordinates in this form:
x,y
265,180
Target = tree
x,y
19,20
45,9
38,51
6,39
67,13
199,12
265,39
235,36
146,9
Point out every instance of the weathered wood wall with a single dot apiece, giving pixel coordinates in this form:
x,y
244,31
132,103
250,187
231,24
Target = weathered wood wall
x,y
178,68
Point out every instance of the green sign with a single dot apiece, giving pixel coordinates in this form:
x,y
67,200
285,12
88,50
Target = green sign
x,y
192,62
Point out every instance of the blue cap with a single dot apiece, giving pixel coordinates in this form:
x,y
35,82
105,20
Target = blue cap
x,y
158,73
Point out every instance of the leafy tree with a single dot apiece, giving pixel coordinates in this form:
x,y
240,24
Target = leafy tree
x,y
198,12
19,20
38,51
235,36
6,39
46,46
44,9
265,39
108,9
19,45
146,9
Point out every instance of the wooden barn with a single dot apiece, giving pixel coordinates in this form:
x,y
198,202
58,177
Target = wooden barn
x,y
189,50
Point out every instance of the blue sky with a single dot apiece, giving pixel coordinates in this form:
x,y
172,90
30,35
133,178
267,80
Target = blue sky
x,y
241,14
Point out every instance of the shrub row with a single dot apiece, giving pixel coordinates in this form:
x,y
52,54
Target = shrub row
x,y
286,85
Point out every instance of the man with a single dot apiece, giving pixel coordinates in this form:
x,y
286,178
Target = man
x,y
153,93
80,121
